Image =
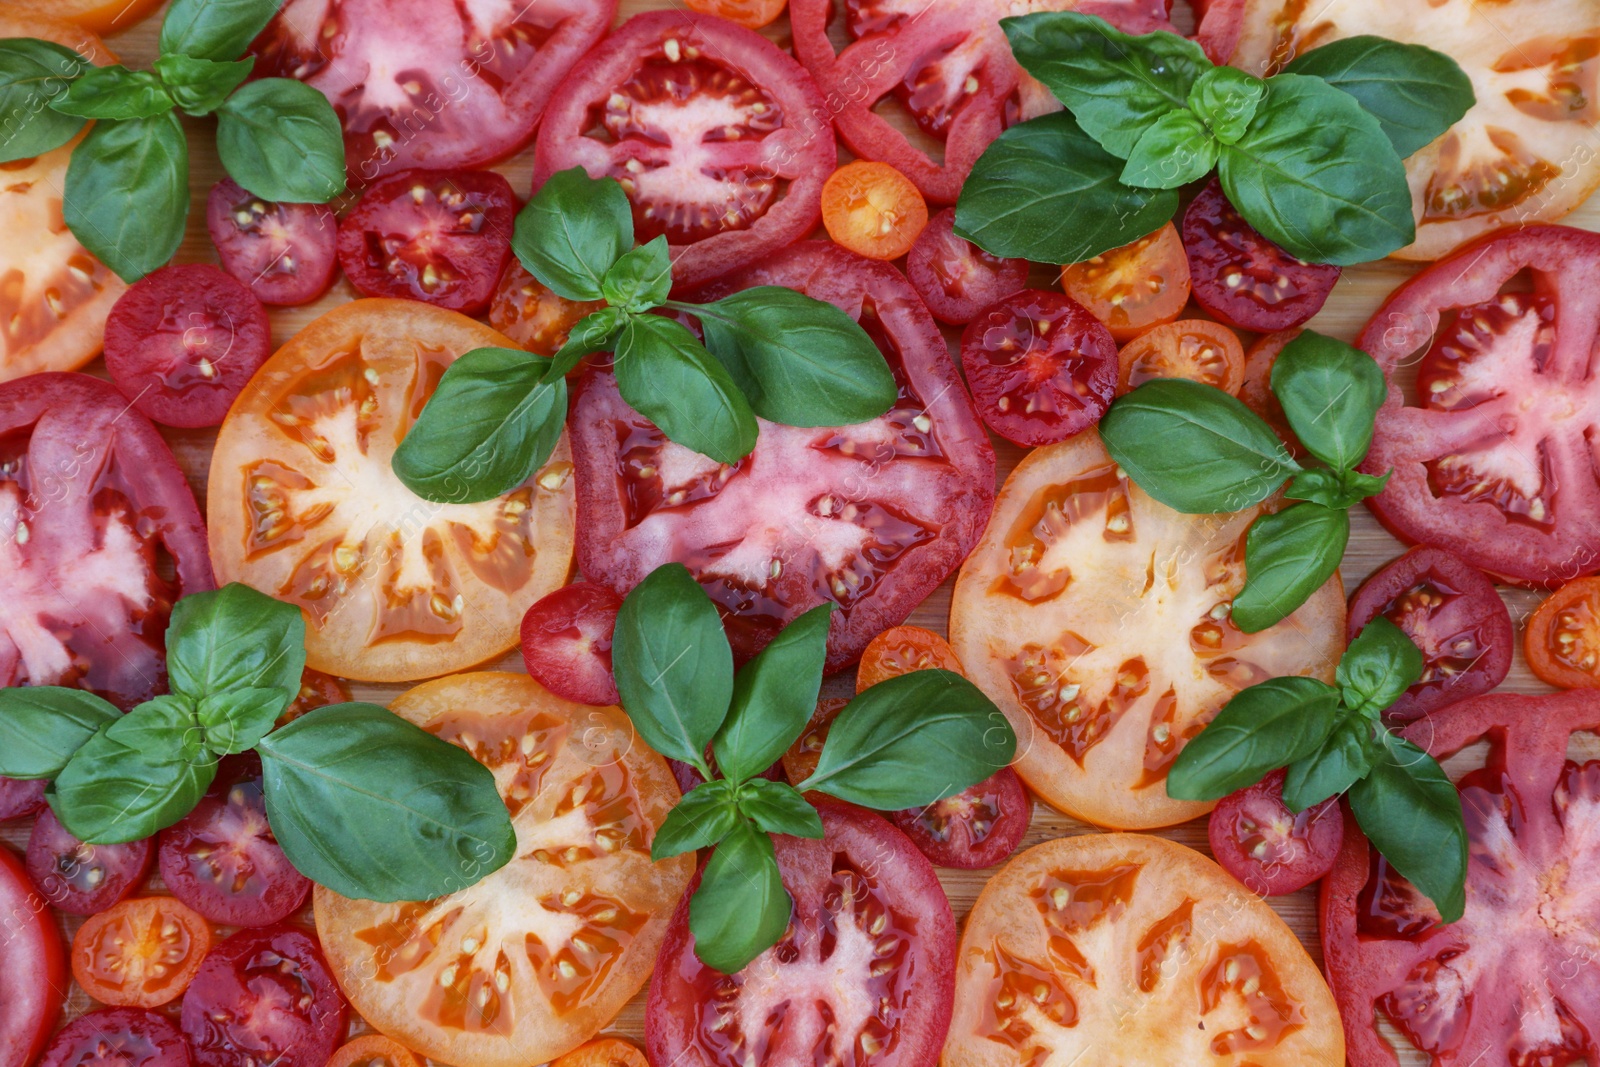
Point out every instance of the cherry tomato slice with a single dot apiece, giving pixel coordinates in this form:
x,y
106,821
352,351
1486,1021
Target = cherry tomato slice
x,y
956,278
141,953
1255,388
1197,349
79,878
33,980
1562,641
374,1050
317,690
1269,848
533,316
873,210
566,642
801,758
752,14
901,650
117,1037
976,828
285,253
1142,284
19,798
1041,368
605,1051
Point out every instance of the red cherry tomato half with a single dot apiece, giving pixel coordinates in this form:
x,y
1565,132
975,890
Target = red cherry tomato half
x,y
1269,848
441,237
956,278
566,642
182,342
976,828
33,969
118,1037
79,878
1040,366
19,798
285,253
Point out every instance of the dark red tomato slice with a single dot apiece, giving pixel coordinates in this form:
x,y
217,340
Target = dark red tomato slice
x,y
1241,277
1493,451
956,278
440,85
181,343
872,517
118,1037
863,976
566,642
945,64
1452,613
19,798
976,828
33,969
285,253
264,997
1268,848
1041,367
80,878
720,139
439,237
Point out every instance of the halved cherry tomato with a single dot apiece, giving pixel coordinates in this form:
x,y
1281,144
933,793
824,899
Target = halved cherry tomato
x,y
901,650
1040,366
751,13
1562,641
80,878
98,16
533,316
374,1050
1142,284
117,1037
317,690
873,210
975,828
1267,847
1196,349
956,278
1255,389
604,1051
33,981
141,953
285,253
566,642
19,798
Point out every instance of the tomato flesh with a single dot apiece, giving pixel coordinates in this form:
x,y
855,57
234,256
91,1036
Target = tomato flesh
x,y
374,1050
1562,640
533,316
140,953
901,650
1255,389
956,278
33,981
566,642
1142,284
873,210
80,878
285,253
1267,847
20,798
975,828
317,690
117,1037
1195,349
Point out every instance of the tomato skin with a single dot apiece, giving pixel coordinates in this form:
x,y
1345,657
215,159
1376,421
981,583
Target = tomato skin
x,y
566,642
1196,349
79,878
873,210
20,798
956,278
141,953
117,1037
1562,641
373,1050
1271,850
285,253
33,979
1144,283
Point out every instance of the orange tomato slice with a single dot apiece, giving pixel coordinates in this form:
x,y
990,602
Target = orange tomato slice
x,y
603,1052
1132,288
373,1050
901,650
1198,349
141,953
873,210
1562,641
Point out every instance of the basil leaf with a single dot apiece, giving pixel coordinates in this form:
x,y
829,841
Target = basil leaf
x,y
1287,557
1195,448
1264,727
1415,93
672,663
1114,83
912,740
778,808
1334,489
163,730
235,638
127,193
374,808
199,86
1044,190
1330,393
214,29
706,814
1315,174
1226,99
572,231
668,377
800,361
113,92
640,279
42,726
1380,664
595,332
109,793
238,719
1412,814
1174,150
280,139
492,421
740,908
1343,758
33,73
774,696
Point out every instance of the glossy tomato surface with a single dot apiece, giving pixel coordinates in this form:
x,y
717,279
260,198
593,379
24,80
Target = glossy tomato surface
x,y
1196,349
33,980
975,828
140,953
956,278
566,642
526,311
19,798
1142,284
79,878
1267,847
285,253
1255,389
1562,641
118,1037
873,210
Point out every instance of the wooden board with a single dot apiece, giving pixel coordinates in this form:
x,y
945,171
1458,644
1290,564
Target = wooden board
x,y
1356,296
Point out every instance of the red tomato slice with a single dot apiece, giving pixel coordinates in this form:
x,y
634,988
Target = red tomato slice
x,y
976,828
1562,641
1272,850
872,517
1256,388
956,278
426,84
566,642
33,973
862,976
285,253
19,798
117,1037
1493,449
719,138
80,878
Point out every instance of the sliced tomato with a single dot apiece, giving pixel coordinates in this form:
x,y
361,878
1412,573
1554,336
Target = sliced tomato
x,y
720,140
20,798
79,878
1267,847
901,650
1122,948
533,960
975,828
956,278
305,507
1493,450
801,759
863,974
1097,619
97,16
1562,641
430,84
117,1037
872,517
285,253
566,642
33,981
374,1050
141,953
1132,288
603,1052
873,210
1196,349
317,690
1255,389
533,316
752,13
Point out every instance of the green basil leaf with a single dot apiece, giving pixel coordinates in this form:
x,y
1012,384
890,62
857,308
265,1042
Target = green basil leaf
x,y
110,793
1412,814
1335,489
912,740
1174,150
1315,173
238,719
740,908
199,86
706,814
1195,448
778,808
42,726
374,808
127,193
1114,83
32,74
1343,758
492,421
774,696
1264,727
114,92
1380,664
1415,93
572,231
235,638
1226,99
640,279
672,663
162,730
668,377
1330,393
1287,557
280,139
214,29
1045,191
800,361
595,332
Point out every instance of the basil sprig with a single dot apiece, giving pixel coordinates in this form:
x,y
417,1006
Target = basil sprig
x,y
1200,451
769,352
1332,740
1312,157
360,800
905,742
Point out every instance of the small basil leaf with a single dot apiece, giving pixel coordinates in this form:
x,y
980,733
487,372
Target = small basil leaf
x,y
1343,758
774,696
1335,489
162,730
1195,448
238,719
492,421
114,92
912,740
127,193
374,808
595,332
1287,557
1330,393
706,814
640,279
1380,664
572,231
1226,99
1264,727
42,726
740,908
199,86
1412,814
280,139
778,808
214,29
235,638
34,72
1174,150
109,793
668,377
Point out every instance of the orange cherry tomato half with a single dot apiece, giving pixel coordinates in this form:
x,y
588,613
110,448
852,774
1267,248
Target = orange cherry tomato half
x,y
1197,349
101,16
1562,641
873,210
751,13
533,316
602,1052
901,650
1135,287
141,953
373,1050
800,761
